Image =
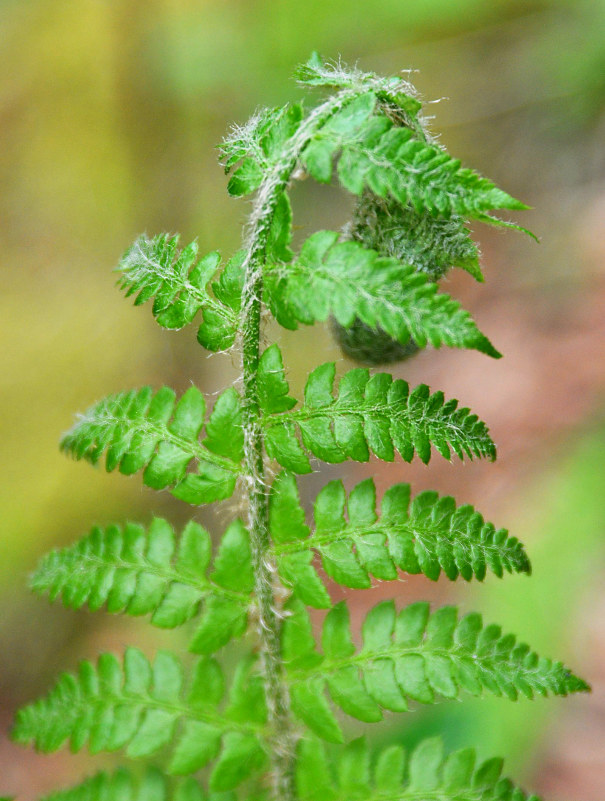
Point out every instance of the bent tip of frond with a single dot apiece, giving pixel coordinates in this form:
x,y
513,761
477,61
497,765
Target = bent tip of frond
x,y
575,684
483,345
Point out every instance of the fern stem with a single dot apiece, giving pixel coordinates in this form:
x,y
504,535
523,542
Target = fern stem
x,y
283,736
258,520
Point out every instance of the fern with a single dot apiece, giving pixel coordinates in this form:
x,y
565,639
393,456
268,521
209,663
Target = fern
x,y
377,283
352,282
408,656
123,785
142,708
142,430
376,415
153,268
428,775
136,571
430,536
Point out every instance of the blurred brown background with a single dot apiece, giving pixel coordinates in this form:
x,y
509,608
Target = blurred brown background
x,y
109,113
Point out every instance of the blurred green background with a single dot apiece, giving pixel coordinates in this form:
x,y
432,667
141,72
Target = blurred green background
x,y
110,111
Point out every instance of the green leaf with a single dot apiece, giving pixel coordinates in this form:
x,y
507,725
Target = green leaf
x,y
180,287
424,774
353,542
242,755
124,786
142,707
349,282
271,382
414,656
376,414
142,430
258,146
392,91
392,158
224,432
280,231
246,178
431,245
139,572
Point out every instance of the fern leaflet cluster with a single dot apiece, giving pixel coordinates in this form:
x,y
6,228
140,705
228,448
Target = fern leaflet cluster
x,y
255,732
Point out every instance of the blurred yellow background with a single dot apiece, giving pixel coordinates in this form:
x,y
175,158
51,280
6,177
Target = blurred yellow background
x,y
110,111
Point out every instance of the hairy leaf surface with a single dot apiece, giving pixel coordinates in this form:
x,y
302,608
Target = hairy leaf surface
x,y
410,655
143,707
181,287
140,572
425,774
431,245
350,282
392,90
257,146
140,430
371,415
428,535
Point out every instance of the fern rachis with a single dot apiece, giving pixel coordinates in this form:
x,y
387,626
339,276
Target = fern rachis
x,y
263,727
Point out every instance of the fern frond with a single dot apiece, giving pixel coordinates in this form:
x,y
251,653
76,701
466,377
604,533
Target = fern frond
x,y
431,245
124,786
142,430
143,572
393,92
391,160
180,287
427,536
425,774
143,707
258,145
346,280
407,656
368,414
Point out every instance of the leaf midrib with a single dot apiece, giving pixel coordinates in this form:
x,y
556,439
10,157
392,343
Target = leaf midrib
x,y
193,447
316,541
203,584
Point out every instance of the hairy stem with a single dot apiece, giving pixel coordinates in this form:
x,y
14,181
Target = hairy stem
x,y
283,736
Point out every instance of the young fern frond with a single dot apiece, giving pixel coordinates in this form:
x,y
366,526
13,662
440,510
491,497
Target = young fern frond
x,y
377,283
142,572
154,268
428,536
407,656
431,245
143,707
426,773
390,160
140,430
375,414
350,282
